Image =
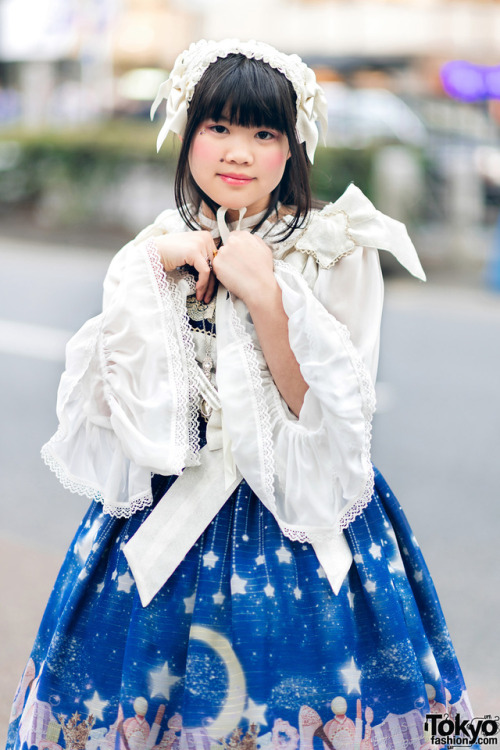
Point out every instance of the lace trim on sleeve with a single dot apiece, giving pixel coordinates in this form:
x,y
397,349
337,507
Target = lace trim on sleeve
x,y
369,405
265,441
367,390
176,326
350,512
328,237
71,483
317,257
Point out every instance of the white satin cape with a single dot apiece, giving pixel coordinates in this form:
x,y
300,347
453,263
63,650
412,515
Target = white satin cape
x,y
129,397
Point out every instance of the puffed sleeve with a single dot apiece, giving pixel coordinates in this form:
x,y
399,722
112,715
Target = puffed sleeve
x,y
314,472
126,404
328,449
353,292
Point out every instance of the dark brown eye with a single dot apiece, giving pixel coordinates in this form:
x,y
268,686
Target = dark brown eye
x,y
218,129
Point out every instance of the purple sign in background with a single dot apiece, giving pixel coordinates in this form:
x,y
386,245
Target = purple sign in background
x,y
469,82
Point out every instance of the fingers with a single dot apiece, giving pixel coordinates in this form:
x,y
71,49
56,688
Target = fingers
x,y
210,289
202,261
204,273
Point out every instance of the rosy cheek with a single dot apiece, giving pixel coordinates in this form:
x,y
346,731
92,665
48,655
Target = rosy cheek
x,y
275,160
202,148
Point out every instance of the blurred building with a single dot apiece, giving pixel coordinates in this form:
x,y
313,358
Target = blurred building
x,y
59,59
62,57
70,62
447,28
151,33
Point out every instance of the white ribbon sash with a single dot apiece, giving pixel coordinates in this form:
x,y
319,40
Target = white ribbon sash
x,y
183,514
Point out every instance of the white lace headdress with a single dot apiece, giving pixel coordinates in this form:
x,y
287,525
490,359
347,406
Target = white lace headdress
x,y
190,65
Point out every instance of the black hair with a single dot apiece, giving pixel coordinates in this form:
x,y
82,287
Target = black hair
x,y
250,93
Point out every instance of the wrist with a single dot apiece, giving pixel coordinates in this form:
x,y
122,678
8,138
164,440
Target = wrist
x,y
265,297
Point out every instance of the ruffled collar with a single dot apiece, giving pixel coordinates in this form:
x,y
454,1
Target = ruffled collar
x,y
330,234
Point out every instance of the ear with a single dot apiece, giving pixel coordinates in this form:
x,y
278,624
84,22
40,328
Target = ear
x,y
180,138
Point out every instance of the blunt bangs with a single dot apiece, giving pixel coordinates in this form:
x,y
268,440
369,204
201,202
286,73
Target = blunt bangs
x,y
248,93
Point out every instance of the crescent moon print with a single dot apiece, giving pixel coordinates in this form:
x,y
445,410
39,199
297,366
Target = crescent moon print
x,y
233,709
244,665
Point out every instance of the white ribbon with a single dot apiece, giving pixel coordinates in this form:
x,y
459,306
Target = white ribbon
x,y
182,515
164,539
190,65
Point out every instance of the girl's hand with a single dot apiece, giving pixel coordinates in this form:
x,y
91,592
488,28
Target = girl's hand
x,y
193,249
244,265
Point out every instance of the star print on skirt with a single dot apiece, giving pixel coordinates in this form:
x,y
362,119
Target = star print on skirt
x,y
245,646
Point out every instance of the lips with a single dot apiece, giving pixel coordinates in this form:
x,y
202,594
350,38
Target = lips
x,y
232,178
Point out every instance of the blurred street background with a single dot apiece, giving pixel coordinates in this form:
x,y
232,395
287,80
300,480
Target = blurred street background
x,y
414,98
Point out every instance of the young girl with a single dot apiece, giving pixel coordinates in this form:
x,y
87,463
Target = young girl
x,y
243,578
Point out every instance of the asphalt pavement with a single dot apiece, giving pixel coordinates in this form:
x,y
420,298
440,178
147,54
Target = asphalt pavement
x,y
436,439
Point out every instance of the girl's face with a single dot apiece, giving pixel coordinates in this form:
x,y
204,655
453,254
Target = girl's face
x,y
238,166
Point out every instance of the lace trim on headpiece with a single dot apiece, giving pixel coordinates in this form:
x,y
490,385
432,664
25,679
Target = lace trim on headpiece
x,y
190,65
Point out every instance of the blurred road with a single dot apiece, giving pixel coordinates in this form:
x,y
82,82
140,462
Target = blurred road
x,y
436,439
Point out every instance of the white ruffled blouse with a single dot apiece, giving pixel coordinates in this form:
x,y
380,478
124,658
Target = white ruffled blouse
x,y
128,401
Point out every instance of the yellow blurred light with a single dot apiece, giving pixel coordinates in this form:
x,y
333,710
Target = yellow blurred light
x,y
141,84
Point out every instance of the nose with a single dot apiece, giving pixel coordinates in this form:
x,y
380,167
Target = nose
x,y
239,150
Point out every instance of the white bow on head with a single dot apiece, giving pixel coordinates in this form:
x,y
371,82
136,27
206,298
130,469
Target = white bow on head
x,y
190,65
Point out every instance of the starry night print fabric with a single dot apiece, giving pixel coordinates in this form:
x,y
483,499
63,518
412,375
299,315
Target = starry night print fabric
x,y
245,646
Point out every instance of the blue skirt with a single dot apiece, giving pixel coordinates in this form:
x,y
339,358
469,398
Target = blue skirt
x,y
245,646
